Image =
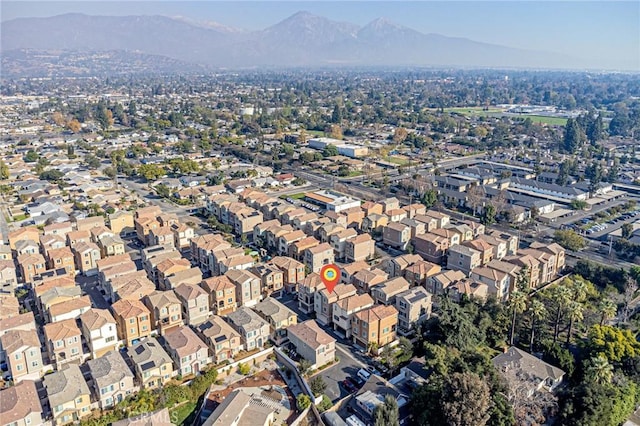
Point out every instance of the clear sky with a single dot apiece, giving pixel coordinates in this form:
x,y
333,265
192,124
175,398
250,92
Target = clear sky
x,y
607,33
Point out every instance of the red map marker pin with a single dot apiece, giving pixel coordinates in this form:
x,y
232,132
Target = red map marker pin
x,y
330,275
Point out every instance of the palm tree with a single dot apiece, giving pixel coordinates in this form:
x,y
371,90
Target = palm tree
x,y
580,290
575,311
538,311
599,370
561,295
518,304
608,309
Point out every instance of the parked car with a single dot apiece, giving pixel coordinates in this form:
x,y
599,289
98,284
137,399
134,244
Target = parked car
x,y
349,387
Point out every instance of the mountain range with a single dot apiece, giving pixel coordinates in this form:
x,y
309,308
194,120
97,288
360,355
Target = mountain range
x,y
301,40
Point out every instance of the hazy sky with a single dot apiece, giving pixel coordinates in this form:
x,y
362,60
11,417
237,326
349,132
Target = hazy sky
x,y
605,32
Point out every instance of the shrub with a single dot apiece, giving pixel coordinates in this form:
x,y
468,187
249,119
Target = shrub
x,y
243,368
325,404
303,402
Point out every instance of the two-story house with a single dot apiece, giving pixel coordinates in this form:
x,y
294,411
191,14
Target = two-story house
x,y
111,379
69,395
23,406
312,343
188,351
224,342
254,331
166,310
99,330
278,316
133,320
64,342
152,365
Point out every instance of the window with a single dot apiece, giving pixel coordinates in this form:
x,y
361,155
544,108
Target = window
x,y
132,321
143,318
74,351
85,409
108,401
34,363
17,356
132,331
58,408
230,300
59,343
110,339
79,400
144,328
19,367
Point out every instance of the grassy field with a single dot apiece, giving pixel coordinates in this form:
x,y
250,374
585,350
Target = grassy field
x,y
315,133
182,413
401,161
496,112
298,196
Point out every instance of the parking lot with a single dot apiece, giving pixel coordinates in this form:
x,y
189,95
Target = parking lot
x,y
347,367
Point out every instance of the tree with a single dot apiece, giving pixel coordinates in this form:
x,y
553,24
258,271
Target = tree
x,y
465,400
537,311
244,368
489,215
91,161
31,156
599,370
304,367
335,131
74,126
387,414
317,385
560,295
572,136
399,135
110,172
608,310
303,402
330,151
517,305
613,343
51,175
430,198
475,196
4,170
569,239
151,171
627,230
594,130
575,312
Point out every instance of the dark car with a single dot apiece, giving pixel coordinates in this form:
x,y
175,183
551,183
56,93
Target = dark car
x,y
353,381
350,387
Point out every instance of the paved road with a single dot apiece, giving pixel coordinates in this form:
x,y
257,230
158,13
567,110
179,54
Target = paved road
x,y
347,367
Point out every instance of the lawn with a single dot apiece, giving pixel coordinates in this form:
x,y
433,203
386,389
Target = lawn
x,y
354,173
401,161
473,110
497,112
316,133
182,413
542,119
298,196
19,217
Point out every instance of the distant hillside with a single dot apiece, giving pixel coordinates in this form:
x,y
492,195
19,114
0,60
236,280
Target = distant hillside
x,y
302,39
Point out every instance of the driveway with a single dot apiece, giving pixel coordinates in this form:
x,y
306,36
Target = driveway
x,y
348,366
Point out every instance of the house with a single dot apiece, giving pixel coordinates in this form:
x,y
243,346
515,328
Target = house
x,y
348,270
152,365
416,227
316,257
431,247
27,247
62,258
385,293
161,236
487,250
546,264
344,309
498,281
248,287
359,248
9,306
498,246
271,279
306,292
414,306
182,235
374,223
99,331
253,330
31,266
324,301
8,278
441,218
222,294
339,240
47,242
437,284
21,352
395,266
529,265
470,289
132,286
371,395
278,316
111,379
396,235
86,257
366,279
69,396
553,249
374,327
529,373
312,343
224,342
86,223
166,310
20,405
297,249
49,296
121,223
133,320
239,409
463,258
418,273
64,342
292,270
27,233
188,351
511,240
195,303
111,245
